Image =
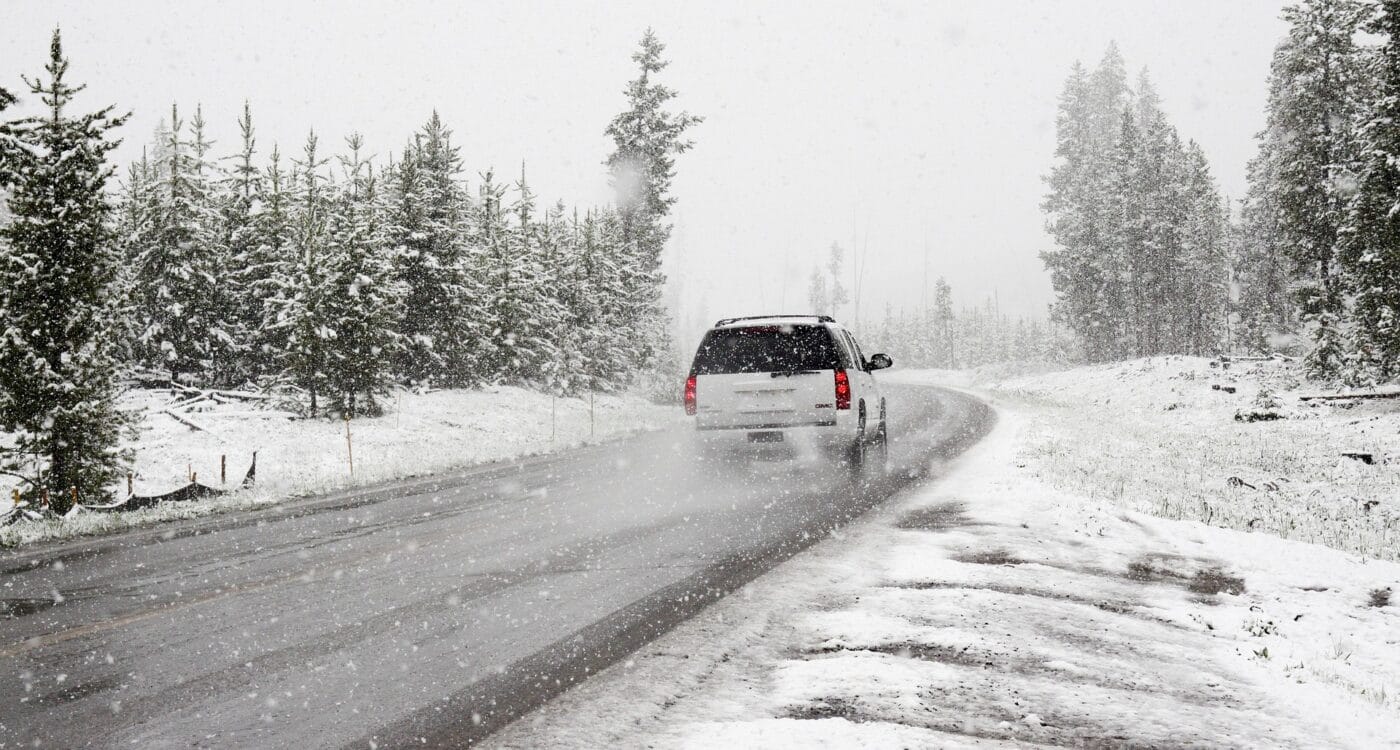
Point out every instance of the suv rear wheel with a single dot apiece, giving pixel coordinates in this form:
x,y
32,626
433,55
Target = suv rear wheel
x,y
858,453
881,455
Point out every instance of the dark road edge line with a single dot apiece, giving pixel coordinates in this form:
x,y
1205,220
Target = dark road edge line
x,y
492,703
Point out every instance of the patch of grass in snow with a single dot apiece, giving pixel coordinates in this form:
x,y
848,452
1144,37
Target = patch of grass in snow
x,y
1379,597
1156,435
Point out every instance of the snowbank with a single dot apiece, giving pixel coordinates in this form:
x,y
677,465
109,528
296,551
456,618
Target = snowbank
x,y
1168,436
990,609
420,434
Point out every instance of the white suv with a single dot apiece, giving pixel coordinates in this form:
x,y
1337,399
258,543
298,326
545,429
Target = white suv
x,y
793,382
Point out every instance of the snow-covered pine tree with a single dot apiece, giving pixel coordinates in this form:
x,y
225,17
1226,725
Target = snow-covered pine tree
x,y
180,262
1371,251
496,274
1120,296
836,258
1203,291
9,150
428,224
946,354
1087,128
511,282
240,200
269,269
303,321
224,337
559,279
1157,284
362,302
1317,90
533,348
58,269
132,214
646,139
1262,272
616,347
818,294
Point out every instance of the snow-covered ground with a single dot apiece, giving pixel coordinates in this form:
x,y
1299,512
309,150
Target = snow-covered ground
x,y
420,434
1000,606
1160,435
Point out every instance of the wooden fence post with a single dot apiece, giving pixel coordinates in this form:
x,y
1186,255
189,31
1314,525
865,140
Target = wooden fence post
x,y
349,446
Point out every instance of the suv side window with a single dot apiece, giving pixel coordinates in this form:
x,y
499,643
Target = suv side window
x,y
855,347
848,354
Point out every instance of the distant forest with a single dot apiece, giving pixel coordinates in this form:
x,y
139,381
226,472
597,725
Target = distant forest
x,y
1148,261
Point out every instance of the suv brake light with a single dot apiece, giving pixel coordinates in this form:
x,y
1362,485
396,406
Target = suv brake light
x,y
690,396
843,390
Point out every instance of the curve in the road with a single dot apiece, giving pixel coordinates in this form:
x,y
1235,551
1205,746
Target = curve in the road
x,y
425,612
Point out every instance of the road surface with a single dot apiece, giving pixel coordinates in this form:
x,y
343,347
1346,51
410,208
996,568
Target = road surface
x,y
427,612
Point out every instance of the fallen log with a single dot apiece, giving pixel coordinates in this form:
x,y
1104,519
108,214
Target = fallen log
x,y
269,413
1349,396
185,420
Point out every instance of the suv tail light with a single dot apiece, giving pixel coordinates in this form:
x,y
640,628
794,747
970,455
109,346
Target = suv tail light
x,y
690,395
843,390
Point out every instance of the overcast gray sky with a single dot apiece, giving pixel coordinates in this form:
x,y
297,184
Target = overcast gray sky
x,y
906,127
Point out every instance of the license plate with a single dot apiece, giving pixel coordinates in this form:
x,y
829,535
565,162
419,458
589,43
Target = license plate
x,y
765,437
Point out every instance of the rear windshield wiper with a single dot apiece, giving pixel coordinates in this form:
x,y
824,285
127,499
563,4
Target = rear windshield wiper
x,y
790,373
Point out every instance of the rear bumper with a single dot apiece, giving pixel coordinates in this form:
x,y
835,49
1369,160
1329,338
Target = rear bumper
x,y
771,439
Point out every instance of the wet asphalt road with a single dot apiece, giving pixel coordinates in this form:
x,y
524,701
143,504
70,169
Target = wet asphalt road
x,y
427,612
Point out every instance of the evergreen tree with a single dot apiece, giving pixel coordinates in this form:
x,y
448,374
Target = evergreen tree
x,y
1203,292
945,354
1372,250
303,313
559,282
1089,111
646,139
58,269
1139,263
428,225
532,347
362,301
1121,297
1316,88
9,150
250,265
269,269
1263,274
180,262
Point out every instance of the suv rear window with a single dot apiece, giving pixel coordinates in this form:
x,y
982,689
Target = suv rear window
x,y
766,349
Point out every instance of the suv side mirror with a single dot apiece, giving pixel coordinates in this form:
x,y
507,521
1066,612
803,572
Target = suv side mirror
x,y
879,362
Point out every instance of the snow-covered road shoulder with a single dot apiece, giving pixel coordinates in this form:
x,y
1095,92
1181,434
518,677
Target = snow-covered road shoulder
x,y
421,434
990,609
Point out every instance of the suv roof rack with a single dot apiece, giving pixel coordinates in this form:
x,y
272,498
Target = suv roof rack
x,y
727,321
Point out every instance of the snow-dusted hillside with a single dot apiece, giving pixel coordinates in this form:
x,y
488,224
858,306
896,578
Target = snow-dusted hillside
x,y
420,434
1166,436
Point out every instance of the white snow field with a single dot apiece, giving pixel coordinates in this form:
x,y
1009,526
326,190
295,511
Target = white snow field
x,y
421,434
1156,435
993,609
